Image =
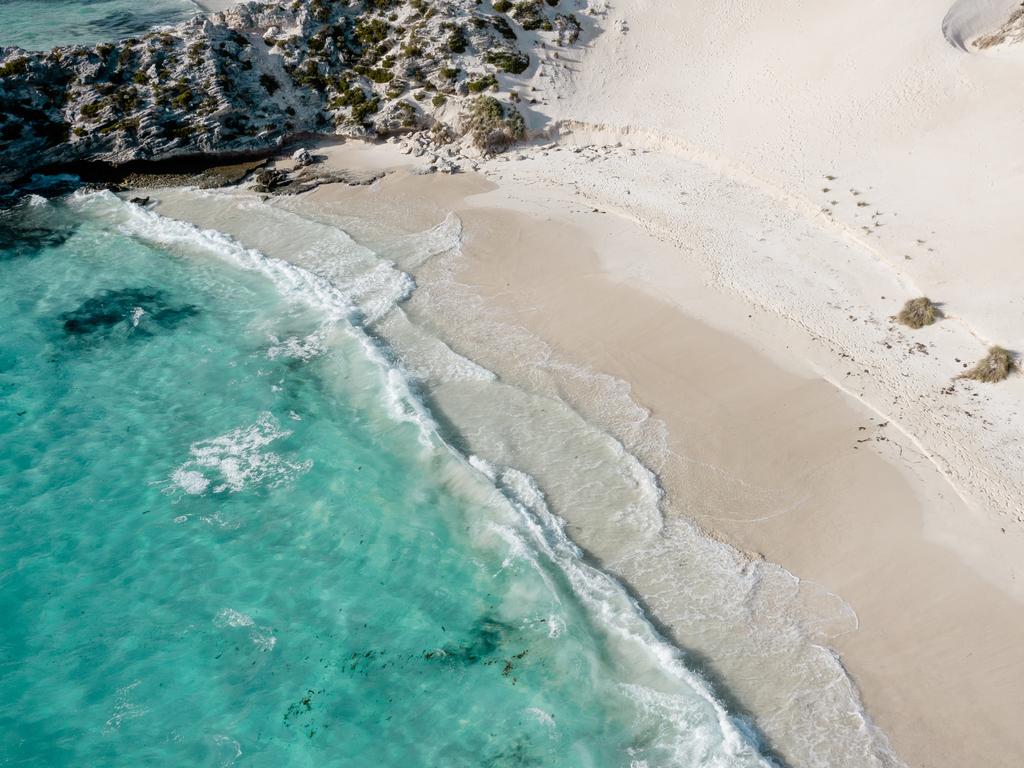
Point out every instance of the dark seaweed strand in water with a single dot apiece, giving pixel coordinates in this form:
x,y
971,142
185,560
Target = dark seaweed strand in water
x,y
140,309
18,241
311,713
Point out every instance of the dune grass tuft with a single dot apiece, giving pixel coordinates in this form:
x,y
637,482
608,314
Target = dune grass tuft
x,y
917,313
995,366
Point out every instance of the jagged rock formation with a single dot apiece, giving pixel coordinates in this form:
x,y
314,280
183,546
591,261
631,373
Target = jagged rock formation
x,y
243,80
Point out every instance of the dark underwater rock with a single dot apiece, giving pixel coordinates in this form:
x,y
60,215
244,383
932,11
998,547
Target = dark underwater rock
x,y
139,310
18,241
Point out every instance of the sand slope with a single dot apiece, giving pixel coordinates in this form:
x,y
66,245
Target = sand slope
x,y
858,124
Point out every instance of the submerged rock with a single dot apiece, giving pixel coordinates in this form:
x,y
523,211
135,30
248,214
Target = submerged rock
x,y
135,309
17,242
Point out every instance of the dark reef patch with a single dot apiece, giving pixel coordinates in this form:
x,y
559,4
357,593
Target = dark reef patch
x,y
140,311
21,240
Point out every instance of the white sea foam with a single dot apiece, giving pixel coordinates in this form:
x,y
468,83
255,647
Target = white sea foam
x,y
261,637
236,460
124,708
229,617
227,744
299,347
190,481
541,716
691,724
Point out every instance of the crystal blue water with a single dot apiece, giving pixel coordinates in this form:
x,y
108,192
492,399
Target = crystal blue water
x,y
43,24
228,536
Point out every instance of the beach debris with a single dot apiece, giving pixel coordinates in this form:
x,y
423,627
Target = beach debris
x,y
997,365
143,201
919,312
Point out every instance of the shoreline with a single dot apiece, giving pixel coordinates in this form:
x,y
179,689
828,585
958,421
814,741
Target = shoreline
x,y
548,287
912,508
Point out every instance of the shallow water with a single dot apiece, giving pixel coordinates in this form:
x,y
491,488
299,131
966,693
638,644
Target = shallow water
x,y
43,24
230,535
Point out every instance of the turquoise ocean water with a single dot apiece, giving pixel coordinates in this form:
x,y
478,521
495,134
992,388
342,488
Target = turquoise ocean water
x,y
43,24
230,535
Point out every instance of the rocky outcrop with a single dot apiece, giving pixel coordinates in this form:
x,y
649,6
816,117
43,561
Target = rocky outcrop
x,y
244,80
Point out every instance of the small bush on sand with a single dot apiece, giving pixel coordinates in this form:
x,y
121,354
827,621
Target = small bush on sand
x,y
508,61
917,313
492,125
481,84
995,366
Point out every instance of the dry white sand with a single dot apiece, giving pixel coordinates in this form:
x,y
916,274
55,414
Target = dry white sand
x,y
752,111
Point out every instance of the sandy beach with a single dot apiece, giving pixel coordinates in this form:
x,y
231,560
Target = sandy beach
x,y
908,583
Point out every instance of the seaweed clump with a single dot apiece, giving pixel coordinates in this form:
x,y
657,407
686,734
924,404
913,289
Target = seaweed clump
x,y
917,313
995,366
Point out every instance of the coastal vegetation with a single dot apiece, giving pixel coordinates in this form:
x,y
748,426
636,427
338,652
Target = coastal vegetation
x,y
204,86
997,365
492,125
919,312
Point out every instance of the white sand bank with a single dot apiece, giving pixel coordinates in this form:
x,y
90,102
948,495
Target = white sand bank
x,y
754,106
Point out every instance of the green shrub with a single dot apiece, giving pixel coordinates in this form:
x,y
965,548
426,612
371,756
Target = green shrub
x,y
502,6
183,99
493,126
994,367
502,27
530,14
917,313
14,67
91,110
371,31
508,61
363,110
380,75
481,84
438,100
457,40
